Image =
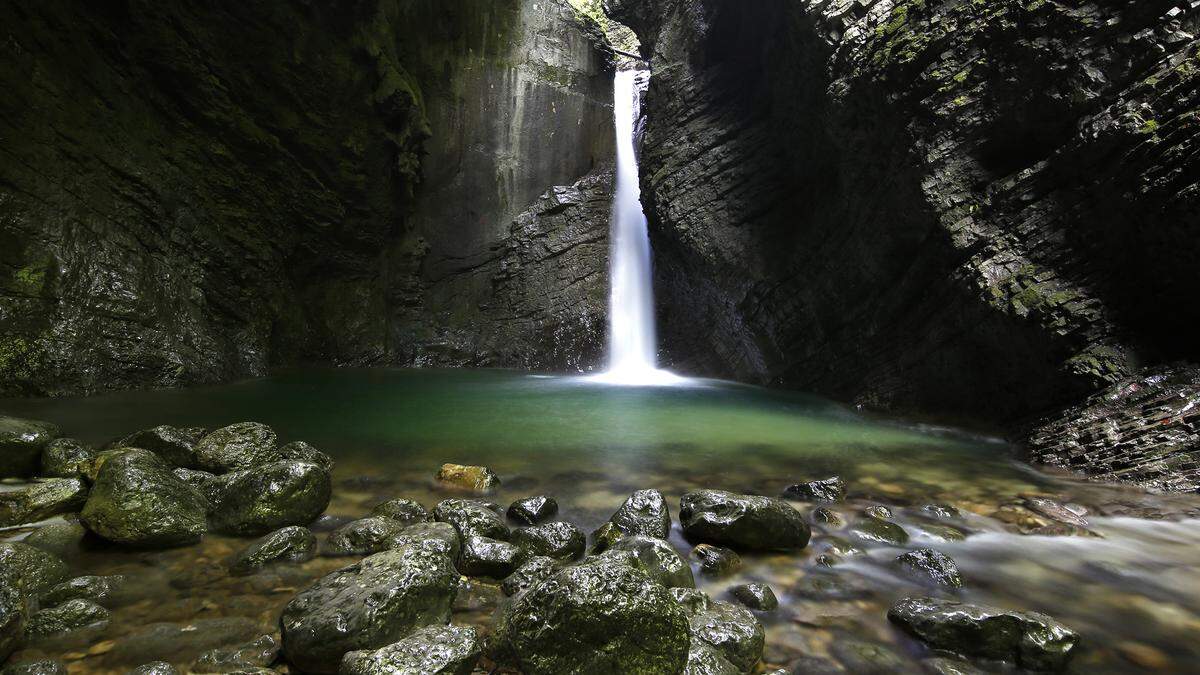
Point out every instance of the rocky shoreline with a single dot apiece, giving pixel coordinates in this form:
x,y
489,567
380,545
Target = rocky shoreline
x,y
470,585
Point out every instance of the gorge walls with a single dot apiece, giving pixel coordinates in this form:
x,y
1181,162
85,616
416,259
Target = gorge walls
x,y
194,193
982,211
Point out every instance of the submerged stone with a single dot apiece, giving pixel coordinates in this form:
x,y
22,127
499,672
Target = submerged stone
x,y
155,668
881,531
645,512
257,654
755,596
21,444
292,544
61,539
300,451
66,458
716,561
558,540
434,650
70,616
659,559
747,522
371,604
438,536
824,516
943,511
930,567
363,536
733,631
136,500
236,447
828,490
484,557
175,446
869,658
403,511
268,497
472,518
532,572
878,511
44,667
41,500
107,591
1031,640
533,510
472,478
603,616
29,570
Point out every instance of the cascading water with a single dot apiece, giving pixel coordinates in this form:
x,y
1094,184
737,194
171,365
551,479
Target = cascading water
x,y
632,357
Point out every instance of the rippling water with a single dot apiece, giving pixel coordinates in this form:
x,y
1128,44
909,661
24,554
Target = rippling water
x,y
1131,587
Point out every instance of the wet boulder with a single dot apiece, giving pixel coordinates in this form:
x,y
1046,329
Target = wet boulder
x,y
207,483
137,501
268,497
558,540
62,539
731,630
869,657
42,499
66,458
930,567
175,446
258,653
755,596
603,616
484,557
704,659
716,561
746,522
532,572
363,536
438,536
29,570
659,559
14,612
692,600
107,591
403,511
300,451
236,447
604,537
44,667
645,512
293,544
472,518
434,650
1030,640
70,616
155,668
368,605
826,517
533,510
478,479
827,490
21,444
872,528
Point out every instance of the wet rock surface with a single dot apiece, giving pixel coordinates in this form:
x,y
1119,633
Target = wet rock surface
x,y
21,444
260,653
645,513
107,591
755,596
747,522
41,500
238,446
659,559
259,500
1030,640
558,540
532,572
175,446
136,500
872,528
930,567
71,615
479,479
731,630
716,561
66,458
436,650
533,510
471,518
362,537
484,557
14,612
404,511
827,490
440,537
368,605
292,544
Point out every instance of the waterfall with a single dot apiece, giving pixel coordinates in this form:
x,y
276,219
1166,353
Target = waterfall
x,y
631,339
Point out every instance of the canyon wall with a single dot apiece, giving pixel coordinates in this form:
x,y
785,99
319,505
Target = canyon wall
x,y
979,211
198,192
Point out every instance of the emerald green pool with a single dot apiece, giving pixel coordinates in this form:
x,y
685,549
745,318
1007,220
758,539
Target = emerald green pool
x,y
1131,587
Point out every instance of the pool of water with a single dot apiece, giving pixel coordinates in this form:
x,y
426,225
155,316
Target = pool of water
x,y
1128,581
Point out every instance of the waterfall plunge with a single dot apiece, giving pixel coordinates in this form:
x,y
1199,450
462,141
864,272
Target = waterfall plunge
x,y
631,338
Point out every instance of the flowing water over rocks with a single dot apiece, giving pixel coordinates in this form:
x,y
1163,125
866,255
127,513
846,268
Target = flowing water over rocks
x,y
915,512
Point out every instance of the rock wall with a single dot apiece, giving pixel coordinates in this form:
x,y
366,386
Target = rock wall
x,y
974,210
197,192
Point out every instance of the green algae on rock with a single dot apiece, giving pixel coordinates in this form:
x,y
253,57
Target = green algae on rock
x,y
267,497
21,444
434,650
136,500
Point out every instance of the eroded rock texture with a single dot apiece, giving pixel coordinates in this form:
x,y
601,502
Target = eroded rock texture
x,y
975,209
196,193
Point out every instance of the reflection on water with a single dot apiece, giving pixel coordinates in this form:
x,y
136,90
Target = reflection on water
x,y
1129,582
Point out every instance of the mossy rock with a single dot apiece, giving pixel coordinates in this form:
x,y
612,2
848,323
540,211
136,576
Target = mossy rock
x,y
42,499
70,616
472,518
558,540
362,537
292,544
31,571
21,444
236,447
744,522
266,498
434,650
137,501
174,445
66,458
659,559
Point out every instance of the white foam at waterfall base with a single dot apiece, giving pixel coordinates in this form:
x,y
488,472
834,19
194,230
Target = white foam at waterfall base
x,y
632,357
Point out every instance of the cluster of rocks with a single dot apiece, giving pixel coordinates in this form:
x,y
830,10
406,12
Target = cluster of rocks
x,y
625,601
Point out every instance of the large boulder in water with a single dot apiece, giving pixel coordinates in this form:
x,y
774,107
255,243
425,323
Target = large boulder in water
x,y
21,444
658,558
41,500
371,604
558,540
14,612
644,513
438,536
66,458
472,518
175,446
746,522
603,616
287,545
731,630
257,501
136,500
237,446
434,650
1031,640
362,537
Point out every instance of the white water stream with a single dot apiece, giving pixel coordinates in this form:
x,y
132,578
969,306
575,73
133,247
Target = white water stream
x,y
631,337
